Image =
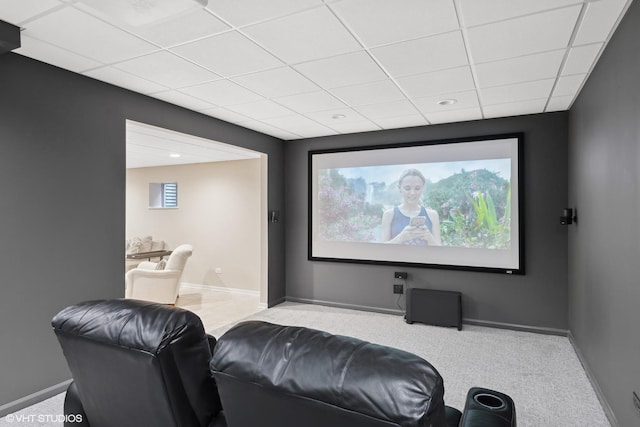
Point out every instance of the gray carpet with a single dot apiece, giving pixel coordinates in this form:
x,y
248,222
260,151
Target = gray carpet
x,y
540,372
46,413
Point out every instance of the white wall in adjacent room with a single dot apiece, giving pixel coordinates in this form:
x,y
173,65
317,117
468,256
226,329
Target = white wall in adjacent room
x,y
219,208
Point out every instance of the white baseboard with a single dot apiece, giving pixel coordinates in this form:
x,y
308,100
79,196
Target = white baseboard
x,y
218,289
34,398
209,288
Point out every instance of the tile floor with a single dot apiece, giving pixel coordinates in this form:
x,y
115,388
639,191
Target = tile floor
x,y
218,308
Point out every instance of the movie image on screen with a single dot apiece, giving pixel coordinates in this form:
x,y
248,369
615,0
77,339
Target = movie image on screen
x,y
446,204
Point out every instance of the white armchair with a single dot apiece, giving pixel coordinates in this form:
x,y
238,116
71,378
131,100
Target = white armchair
x,y
147,282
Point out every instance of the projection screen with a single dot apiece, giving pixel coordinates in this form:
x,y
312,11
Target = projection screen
x,y
442,204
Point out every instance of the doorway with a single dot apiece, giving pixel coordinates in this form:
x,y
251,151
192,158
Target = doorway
x,y
220,209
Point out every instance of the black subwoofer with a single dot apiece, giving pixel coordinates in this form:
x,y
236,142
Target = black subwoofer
x,y
440,308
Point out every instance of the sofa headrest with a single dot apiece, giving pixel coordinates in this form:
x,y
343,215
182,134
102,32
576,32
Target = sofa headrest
x,y
138,363
129,323
375,380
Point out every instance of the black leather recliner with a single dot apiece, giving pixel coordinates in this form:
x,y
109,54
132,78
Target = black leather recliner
x,y
137,363
294,376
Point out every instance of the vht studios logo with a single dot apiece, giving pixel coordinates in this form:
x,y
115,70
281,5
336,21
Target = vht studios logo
x,y
43,418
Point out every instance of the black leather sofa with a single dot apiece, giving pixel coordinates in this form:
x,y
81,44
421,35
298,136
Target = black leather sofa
x,y
136,363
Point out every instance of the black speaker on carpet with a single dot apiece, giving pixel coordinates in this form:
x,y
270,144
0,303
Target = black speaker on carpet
x,y
440,308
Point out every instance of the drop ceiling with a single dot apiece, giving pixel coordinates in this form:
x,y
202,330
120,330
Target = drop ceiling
x,y
306,68
151,146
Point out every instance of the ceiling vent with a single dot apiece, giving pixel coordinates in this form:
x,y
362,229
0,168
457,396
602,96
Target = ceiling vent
x,y
138,13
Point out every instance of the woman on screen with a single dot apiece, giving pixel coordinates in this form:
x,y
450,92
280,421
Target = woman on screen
x,y
411,223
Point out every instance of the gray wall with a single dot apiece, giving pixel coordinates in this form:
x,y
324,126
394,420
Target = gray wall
x,y
604,247
62,204
537,299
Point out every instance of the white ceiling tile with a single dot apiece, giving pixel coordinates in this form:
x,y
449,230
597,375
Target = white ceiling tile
x,y
386,110
569,85
285,68
152,141
353,127
88,36
228,54
300,125
277,82
581,59
305,36
423,55
401,121
463,115
476,12
522,69
382,21
523,36
129,81
167,69
343,70
369,93
226,115
183,100
222,93
184,28
268,129
309,102
437,82
559,103
54,55
339,115
465,100
517,92
264,109
599,20
533,106
15,12
243,12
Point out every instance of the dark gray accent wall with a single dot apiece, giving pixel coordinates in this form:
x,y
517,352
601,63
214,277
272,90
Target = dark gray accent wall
x,y
62,204
604,246
537,299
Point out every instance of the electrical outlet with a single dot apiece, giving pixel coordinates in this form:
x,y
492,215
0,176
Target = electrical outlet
x,y
398,289
400,275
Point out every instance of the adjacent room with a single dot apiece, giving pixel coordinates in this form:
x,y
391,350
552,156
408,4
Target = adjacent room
x,y
187,190
505,275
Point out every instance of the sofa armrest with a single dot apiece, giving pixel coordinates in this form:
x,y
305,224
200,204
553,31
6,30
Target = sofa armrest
x,y
452,415
153,274
488,408
73,409
148,265
147,279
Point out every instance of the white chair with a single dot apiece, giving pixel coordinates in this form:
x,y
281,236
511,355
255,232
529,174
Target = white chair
x,y
148,282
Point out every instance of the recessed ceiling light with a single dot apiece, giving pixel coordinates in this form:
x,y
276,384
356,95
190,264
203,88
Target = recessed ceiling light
x,y
447,101
174,155
338,116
